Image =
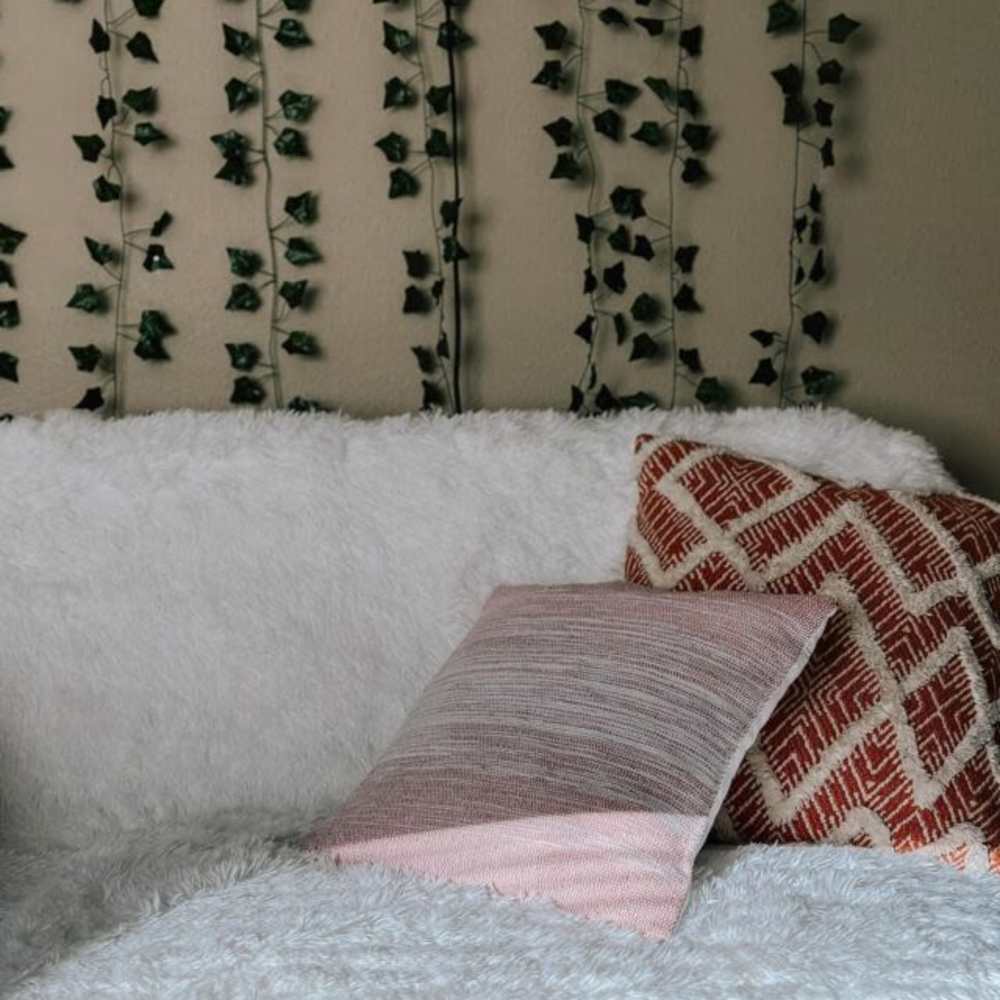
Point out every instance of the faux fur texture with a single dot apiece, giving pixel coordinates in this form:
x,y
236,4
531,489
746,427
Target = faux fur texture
x,y
785,923
234,611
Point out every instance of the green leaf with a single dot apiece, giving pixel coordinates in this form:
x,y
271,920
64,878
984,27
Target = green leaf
x,y
298,6
93,399
765,373
4,118
146,133
560,131
841,28
415,301
157,259
644,348
402,184
10,314
395,147
650,133
243,297
153,327
696,136
711,392
550,75
303,208
437,144
433,397
147,8
830,73
100,253
418,264
398,94
554,35
142,102
238,42
691,40
614,278
292,33
231,143
243,357
300,404
107,110
235,170
628,201
452,250
106,191
161,225
450,211
396,40
620,240
426,360
619,92
645,309
247,390
451,37
7,274
818,382
654,26
87,299
609,123
240,94
815,326
243,263
684,258
301,343
140,46
685,301
10,239
439,98
291,142
661,88
781,16
8,367
567,167
90,146
87,358
100,40
294,293
297,107
301,252
612,17
690,358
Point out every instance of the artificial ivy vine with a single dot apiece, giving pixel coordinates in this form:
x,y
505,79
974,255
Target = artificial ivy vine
x,y
808,267
258,275
10,240
441,365
117,114
622,229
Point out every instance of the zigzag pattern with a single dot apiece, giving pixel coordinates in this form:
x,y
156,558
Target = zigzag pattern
x,y
891,736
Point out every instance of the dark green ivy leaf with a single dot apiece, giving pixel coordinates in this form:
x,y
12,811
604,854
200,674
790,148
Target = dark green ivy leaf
x,y
439,99
294,293
87,299
243,263
567,167
6,163
7,274
452,250
157,259
299,404
643,248
826,154
291,142
146,133
87,358
292,33
8,366
585,228
142,102
161,225
815,326
687,101
661,88
652,134
433,397
817,273
106,191
690,358
231,143
100,40
614,278
690,40
620,240
684,258
830,72
576,399
824,113
560,131
140,46
238,42
654,26
441,348
450,212
396,40
643,348
554,35
93,400
10,314
402,184
100,253
841,28
815,199
645,309
818,381
303,208
243,357
90,146
243,297
789,79
235,170
608,122
301,252
585,331
685,301
696,136
795,112
297,107
147,8
621,328
297,7
153,324
107,110
606,401
437,144
415,301
711,392
451,37
765,337
398,94
247,390
301,343
764,373
240,94
638,401
694,171
781,16
395,147
10,239
619,92
589,281
550,75
612,17
628,201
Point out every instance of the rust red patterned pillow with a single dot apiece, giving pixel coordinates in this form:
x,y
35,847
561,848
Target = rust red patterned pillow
x,y
891,736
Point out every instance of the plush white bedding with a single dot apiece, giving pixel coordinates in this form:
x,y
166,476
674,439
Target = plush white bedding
x,y
764,924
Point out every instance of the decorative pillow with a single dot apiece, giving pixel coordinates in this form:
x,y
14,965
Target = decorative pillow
x,y
578,743
891,736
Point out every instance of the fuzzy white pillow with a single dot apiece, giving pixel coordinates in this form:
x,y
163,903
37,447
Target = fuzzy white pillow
x,y
235,611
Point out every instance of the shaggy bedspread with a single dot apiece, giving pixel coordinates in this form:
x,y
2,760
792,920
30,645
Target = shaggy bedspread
x,y
180,918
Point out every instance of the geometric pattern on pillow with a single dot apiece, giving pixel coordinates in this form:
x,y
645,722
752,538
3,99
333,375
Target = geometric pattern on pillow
x,y
891,735
577,746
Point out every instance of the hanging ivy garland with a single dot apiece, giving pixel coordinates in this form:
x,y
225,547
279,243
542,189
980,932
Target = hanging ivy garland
x,y
117,115
10,240
258,275
440,366
808,266
622,227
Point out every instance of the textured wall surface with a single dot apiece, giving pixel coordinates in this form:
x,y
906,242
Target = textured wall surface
x,y
912,213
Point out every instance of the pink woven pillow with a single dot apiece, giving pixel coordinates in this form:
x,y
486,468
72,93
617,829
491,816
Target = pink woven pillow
x,y
578,744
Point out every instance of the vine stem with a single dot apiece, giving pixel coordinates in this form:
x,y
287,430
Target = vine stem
x,y
456,361
792,235
671,216
274,332
118,361
425,81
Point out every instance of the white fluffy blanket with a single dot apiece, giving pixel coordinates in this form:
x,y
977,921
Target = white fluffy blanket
x,y
764,924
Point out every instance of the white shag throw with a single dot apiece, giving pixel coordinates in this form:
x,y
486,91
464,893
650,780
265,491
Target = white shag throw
x,y
786,923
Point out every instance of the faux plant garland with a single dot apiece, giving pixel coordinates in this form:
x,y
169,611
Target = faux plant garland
x,y
441,365
648,325
808,267
115,113
240,156
10,240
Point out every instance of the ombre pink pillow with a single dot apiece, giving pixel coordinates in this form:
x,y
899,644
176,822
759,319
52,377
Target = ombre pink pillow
x,y
578,744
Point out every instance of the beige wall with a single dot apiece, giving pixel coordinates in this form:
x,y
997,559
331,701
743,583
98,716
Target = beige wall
x,y
913,213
